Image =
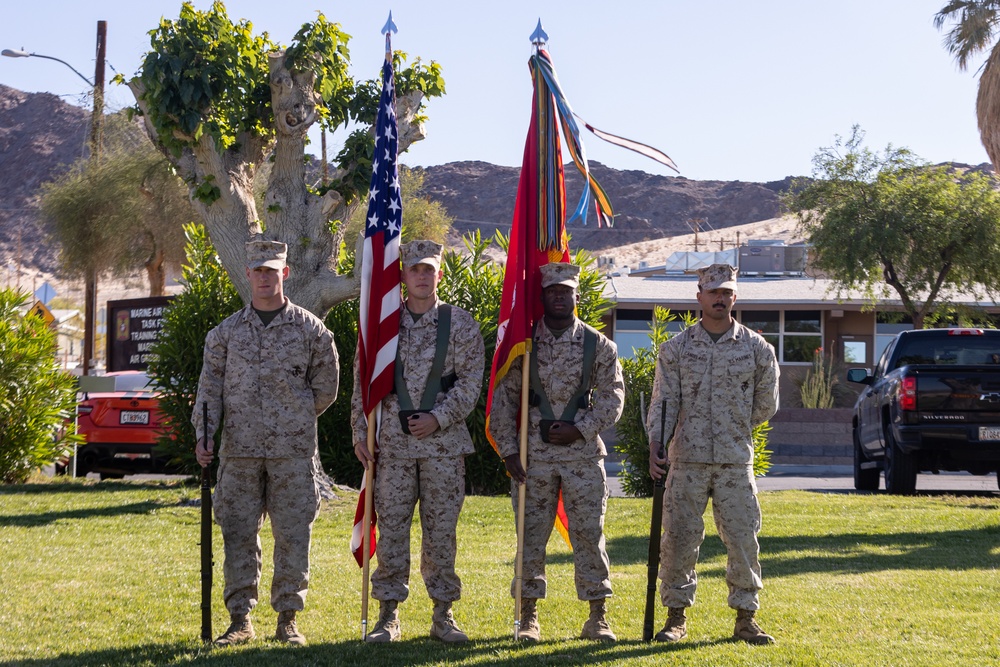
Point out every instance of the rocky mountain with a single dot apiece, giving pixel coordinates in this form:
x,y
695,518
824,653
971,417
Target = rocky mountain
x,y
481,195
41,135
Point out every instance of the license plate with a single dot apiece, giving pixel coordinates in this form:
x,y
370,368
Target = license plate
x,y
989,432
142,417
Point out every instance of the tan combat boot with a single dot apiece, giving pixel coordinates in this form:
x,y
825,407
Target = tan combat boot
x,y
529,631
287,630
597,627
387,629
240,631
748,630
675,629
444,627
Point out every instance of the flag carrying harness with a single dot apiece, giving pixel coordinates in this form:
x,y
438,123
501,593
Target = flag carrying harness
x,y
436,381
581,399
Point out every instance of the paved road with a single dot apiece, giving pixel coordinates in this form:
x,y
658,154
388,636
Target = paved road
x,y
830,479
834,479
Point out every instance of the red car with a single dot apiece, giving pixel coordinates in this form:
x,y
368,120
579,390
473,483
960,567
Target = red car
x,y
120,419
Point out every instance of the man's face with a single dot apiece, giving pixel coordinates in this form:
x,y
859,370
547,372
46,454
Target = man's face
x,y
421,280
266,282
559,301
717,304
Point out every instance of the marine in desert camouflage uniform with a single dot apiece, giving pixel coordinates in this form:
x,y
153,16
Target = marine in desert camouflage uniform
x,y
271,369
573,458
428,463
719,380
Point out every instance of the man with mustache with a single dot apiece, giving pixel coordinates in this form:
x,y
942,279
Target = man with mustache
x,y
718,380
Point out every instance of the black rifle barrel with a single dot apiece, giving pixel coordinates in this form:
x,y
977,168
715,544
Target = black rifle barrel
x,y
206,539
655,527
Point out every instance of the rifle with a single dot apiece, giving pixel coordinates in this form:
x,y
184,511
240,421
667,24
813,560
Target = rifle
x,y
206,538
655,527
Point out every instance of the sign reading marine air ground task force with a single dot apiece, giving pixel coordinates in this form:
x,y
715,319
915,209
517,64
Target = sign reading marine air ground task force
x,y
134,325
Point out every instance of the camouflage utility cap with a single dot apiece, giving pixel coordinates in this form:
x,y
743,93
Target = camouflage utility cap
x,y
717,276
421,252
560,273
271,254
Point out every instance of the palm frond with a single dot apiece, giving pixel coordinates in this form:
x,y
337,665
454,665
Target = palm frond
x,y
975,26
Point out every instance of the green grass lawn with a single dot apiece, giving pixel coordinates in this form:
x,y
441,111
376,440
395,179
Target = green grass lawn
x,y
107,574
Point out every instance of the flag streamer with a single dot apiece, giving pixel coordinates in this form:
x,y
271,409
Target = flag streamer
x,y
547,81
638,147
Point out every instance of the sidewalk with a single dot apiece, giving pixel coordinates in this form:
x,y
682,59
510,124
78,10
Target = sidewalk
x,y
840,478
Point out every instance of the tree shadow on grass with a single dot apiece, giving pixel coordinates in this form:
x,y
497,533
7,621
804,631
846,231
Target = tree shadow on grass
x,y
91,487
864,552
423,651
839,553
45,518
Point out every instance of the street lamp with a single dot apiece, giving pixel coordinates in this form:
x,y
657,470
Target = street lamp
x,y
15,53
90,298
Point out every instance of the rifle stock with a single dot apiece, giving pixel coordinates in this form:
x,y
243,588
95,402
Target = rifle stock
x,y
206,540
655,528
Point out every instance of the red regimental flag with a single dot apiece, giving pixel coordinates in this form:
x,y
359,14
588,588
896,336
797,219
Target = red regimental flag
x,y
521,303
537,237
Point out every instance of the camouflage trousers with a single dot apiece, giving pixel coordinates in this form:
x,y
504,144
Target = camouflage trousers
x,y
438,484
737,516
585,498
249,489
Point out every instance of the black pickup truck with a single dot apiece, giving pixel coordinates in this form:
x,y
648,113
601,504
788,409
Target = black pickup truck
x,y
932,404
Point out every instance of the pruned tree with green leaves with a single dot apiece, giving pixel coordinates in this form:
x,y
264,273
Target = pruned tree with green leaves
x,y
887,222
37,398
220,101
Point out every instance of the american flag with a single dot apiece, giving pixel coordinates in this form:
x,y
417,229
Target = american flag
x,y
378,326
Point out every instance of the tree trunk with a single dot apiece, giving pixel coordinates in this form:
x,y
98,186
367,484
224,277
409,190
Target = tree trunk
x,y
156,274
988,106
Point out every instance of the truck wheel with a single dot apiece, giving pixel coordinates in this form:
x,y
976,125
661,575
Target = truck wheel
x,y
900,469
865,479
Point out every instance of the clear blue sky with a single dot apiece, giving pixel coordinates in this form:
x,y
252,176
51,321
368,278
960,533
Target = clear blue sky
x,y
732,90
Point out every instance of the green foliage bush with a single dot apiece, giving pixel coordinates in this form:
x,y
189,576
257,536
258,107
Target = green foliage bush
x,y
472,281
475,282
633,444
37,398
208,298
336,439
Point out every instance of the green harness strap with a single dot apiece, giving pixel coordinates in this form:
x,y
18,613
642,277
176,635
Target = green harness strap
x,y
437,367
569,412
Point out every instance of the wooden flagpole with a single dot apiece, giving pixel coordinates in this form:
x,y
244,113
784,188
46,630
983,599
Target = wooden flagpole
x,y
366,534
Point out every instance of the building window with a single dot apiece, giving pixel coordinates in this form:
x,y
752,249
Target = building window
x,y
632,327
795,334
855,352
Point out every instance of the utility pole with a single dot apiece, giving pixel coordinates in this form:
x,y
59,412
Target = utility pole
x,y
697,226
96,136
